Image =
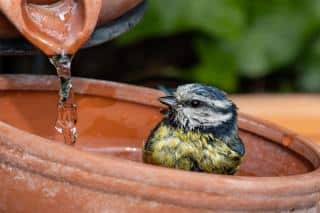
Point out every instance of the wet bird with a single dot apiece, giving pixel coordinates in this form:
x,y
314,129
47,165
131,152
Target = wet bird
x,y
198,132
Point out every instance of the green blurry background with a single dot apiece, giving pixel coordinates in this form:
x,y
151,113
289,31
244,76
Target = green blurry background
x,y
235,40
237,45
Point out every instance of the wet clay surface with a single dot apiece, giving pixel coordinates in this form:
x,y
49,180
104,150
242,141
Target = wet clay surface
x,y
119,128
111,9
60,22
57,27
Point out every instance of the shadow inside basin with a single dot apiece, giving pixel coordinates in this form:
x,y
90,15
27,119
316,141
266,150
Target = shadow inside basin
x,y
119,128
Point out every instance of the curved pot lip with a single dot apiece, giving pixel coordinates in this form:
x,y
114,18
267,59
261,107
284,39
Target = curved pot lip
x,y
108,166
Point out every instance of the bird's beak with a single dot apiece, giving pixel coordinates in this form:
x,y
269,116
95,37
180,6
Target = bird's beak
x,y
168,100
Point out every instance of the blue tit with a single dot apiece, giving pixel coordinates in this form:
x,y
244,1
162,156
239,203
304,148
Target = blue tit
x,y
198,132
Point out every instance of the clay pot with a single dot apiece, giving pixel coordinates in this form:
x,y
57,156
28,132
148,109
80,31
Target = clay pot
x,y
103,171
59,25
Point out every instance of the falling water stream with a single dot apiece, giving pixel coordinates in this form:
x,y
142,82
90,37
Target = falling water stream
x,y
67,109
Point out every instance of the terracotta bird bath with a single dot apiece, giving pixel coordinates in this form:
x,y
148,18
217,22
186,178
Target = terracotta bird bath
x,y
104,172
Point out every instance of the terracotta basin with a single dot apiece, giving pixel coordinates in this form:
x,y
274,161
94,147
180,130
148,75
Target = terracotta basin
x,y
56,26
104,173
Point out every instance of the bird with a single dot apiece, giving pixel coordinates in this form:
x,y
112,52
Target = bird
x,y
198,132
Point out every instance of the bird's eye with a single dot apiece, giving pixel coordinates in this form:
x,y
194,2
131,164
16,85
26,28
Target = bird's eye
x,y
195,103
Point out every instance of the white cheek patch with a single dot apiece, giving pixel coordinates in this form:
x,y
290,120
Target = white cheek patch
x,y
215,119
196,118
221,104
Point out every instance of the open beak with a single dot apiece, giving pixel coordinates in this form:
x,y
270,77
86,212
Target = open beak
x,y
170,101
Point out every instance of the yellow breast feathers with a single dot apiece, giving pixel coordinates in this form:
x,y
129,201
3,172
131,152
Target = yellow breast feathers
x,y
192,150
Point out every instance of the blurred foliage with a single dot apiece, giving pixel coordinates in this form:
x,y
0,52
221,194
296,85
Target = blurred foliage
x,y
241,38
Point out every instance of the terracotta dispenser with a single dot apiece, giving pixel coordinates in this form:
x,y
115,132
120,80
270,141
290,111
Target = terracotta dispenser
x,y
60,27
48,22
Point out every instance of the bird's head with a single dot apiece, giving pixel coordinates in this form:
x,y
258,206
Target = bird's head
x,y
200,107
